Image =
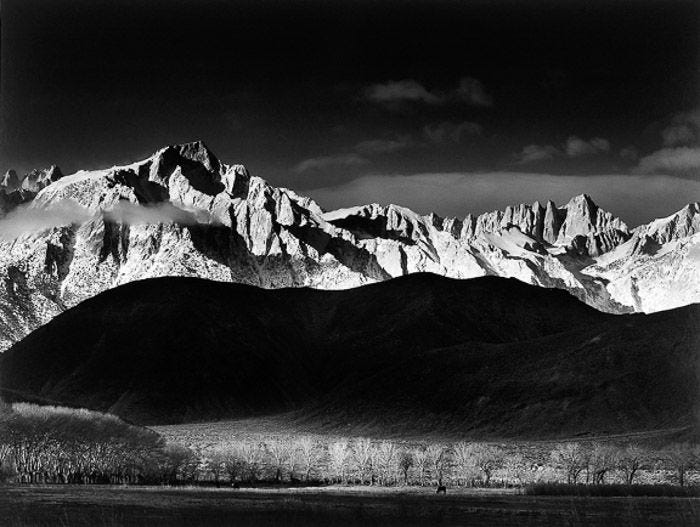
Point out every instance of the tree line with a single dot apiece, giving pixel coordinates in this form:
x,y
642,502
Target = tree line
x,y
44,444
362,461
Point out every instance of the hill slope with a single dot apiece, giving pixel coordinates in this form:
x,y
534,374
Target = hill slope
x,y
489,355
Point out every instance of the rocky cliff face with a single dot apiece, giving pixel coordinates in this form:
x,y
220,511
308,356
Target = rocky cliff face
x,y
659,266
15,190
182,212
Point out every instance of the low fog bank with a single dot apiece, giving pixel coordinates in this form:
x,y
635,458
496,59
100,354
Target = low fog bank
x,y
29,218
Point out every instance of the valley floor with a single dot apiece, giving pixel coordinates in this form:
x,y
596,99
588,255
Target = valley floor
x,y
155,506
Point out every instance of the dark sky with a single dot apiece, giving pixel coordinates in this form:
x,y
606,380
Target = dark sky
x,y
316,94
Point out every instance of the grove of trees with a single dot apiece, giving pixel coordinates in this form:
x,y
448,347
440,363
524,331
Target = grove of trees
x,y
44,444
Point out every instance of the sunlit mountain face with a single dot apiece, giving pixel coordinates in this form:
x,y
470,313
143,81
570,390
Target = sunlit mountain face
x,y
184,212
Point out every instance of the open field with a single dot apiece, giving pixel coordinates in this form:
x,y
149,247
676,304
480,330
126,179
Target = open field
x,y
155,506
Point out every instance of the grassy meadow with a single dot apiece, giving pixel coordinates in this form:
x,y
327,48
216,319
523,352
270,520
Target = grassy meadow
x,y
95,506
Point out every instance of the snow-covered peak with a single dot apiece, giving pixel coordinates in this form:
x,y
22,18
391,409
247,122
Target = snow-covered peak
x,y
581,201
377,221
682,224
583,217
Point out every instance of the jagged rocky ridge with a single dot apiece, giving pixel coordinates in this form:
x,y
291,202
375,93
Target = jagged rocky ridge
x,y
15,190
217,221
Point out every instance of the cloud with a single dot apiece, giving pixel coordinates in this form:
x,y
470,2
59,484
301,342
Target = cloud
x,y
683,160
383,146
629,153
684,129
356,156
451,132
29,218
635,198
680,134
533,153
393,94
400,91
321,162
165,212
472,91
576,146
680,154
26,218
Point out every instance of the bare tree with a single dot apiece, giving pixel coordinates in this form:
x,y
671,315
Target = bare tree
x,y
233,460
485,458
279,452
178,463
517,468
630,460
438,459
339,455
601,460
216,464
405,462
572,458
682,457
363,456
421,460
308,451
462,454
386,456
251,453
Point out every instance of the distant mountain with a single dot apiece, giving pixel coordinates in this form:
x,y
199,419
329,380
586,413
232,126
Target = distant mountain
x,y
15,190
191,215
422,353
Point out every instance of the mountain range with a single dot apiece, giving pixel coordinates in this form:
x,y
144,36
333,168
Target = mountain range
x,y
182,212
487,357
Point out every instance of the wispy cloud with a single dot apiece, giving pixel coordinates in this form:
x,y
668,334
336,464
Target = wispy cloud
x,y
629,153
684,129
28,218
165,212
322,162
383,146
400,91
472,91
451,132
534,153
392,94
355,156
680,154
683,160
677,134
574,147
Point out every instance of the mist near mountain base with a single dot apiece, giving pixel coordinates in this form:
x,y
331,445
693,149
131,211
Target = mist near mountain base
x,y
29,218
